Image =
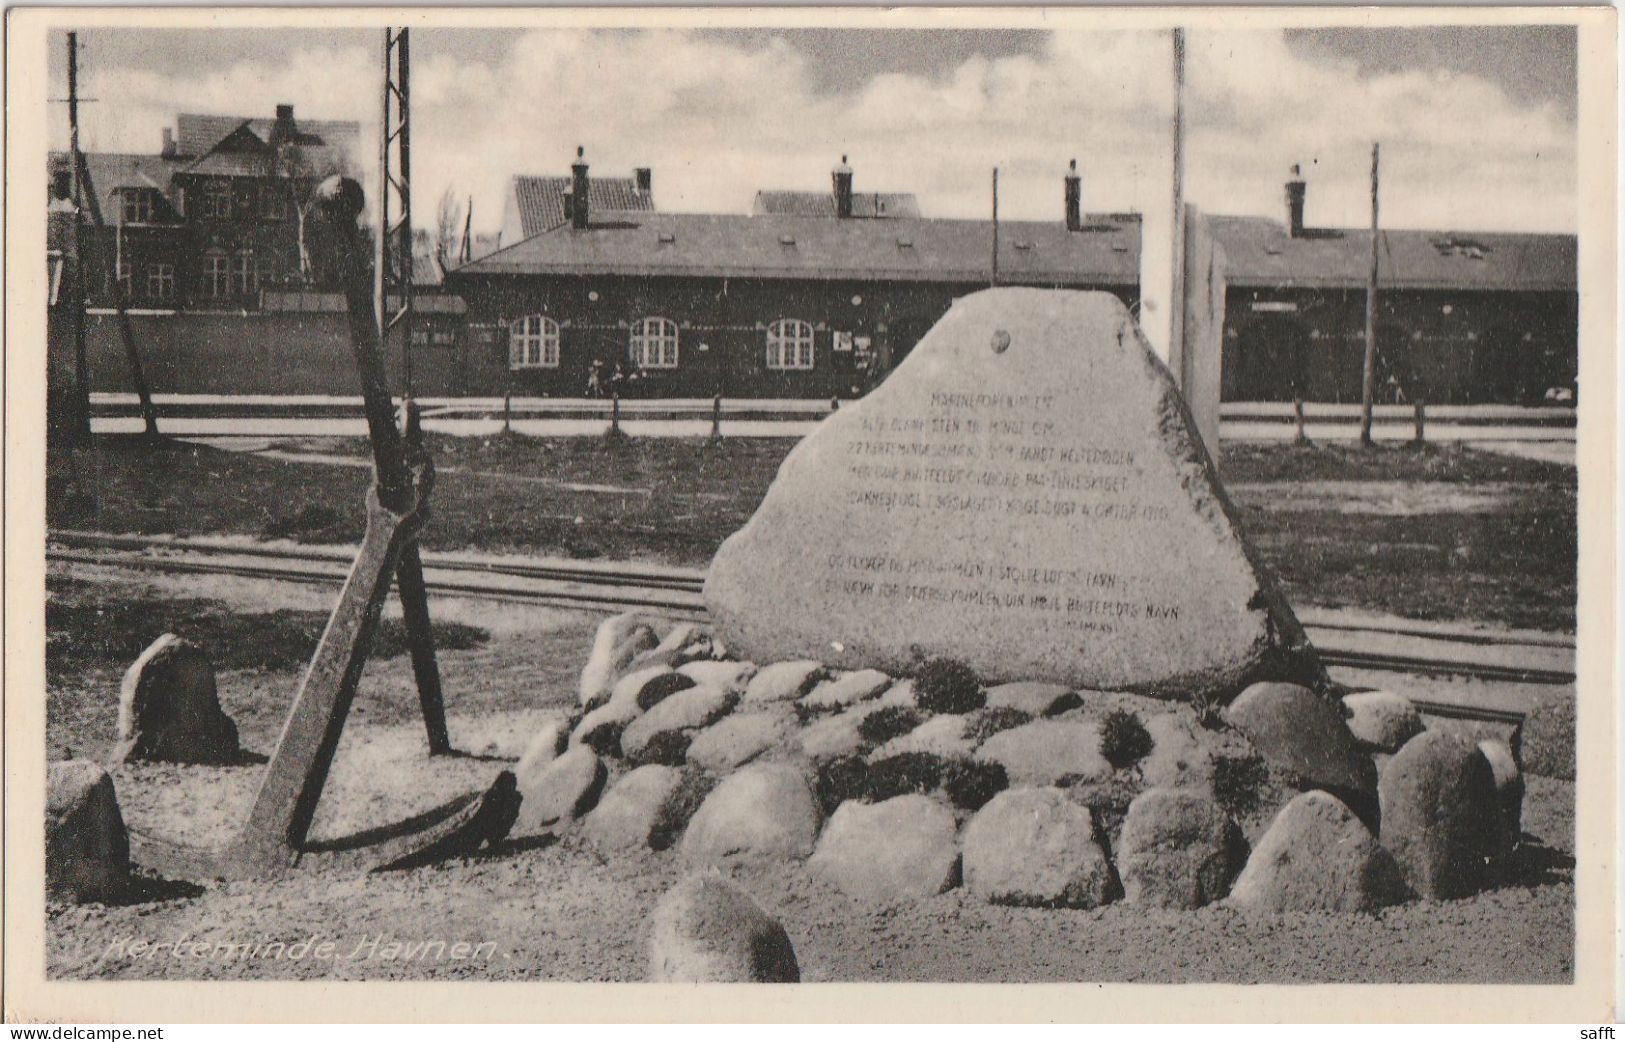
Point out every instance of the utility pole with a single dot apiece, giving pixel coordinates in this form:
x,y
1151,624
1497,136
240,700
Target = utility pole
x,y
995,281
1368,375
1176,281
392,275
81,363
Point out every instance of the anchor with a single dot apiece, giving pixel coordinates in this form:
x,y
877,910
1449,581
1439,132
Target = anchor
x,y
275,836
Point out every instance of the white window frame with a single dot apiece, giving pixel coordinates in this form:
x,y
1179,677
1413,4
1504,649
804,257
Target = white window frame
x,y
137,206
161,281
215,275
245,274
790,344
124,276
654,343
533,343
217,198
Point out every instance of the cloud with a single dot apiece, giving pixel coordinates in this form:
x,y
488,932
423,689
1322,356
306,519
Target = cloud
x,y
717,118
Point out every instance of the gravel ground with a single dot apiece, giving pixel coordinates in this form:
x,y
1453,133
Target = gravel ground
x,y
560,912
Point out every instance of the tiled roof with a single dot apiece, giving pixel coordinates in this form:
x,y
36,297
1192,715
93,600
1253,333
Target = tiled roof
x,y
540,201
110,171
718,245
822,204
196,134
1260,253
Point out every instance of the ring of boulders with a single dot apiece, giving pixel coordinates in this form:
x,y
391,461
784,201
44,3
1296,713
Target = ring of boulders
x,y
1007,791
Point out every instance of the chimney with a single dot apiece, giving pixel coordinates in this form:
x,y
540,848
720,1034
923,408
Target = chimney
x,y
644,178
578,190
1295,192
842,176
1074,198
169,143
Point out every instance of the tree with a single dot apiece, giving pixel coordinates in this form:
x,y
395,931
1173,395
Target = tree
x,y
304,169
448,222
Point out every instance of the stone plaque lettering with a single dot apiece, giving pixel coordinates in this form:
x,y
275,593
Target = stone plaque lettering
x,y
1024,493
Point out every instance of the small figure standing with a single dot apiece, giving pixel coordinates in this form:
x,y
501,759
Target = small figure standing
x,y
595,379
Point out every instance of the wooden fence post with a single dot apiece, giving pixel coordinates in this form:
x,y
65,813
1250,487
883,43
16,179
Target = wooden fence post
x,y
1421,420
1297,412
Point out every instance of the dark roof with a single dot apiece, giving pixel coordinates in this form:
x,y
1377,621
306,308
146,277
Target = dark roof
x,y
540,200
727,245
110,171
196,135
1260,253
822,204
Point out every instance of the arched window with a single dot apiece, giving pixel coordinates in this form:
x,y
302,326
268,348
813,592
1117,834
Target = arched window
x,y
654,343
533,343
790,344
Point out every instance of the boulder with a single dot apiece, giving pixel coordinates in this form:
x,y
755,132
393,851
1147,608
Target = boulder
x,y
900,694
634,692
686,642
1036,847
686,710
764,812
836,735
169,710
550,740
709,931
1046,751
1440,816
732,675
847,689
784,681
1103,555
1179,758
87,851
1382,720
626,818
620,639
563,790
1317,856
601,729
1177,849
1509,788
736,740
1032,697
1547,737
899,848
1303,735
947,736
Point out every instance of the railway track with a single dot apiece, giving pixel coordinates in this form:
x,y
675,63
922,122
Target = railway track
x,y
1420,648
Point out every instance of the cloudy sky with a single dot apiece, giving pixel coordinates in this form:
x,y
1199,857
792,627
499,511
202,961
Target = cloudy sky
x,y
1477,125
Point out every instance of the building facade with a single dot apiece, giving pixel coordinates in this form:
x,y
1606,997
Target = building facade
x,y
799,304
217,215
1462,317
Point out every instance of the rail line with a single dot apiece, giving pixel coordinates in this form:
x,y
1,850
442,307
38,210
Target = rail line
x,y
1425,649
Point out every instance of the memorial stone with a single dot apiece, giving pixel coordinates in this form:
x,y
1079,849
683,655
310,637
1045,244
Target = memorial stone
x,y
1025,494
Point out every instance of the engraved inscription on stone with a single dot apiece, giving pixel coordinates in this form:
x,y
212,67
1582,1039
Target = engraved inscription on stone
x,y
1043,513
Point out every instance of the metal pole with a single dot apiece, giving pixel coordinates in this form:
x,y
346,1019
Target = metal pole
x,y
403,271
1176,283
995,281
1368,376
392,264
81,294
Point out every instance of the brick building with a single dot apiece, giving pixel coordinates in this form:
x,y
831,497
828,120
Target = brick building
x,y
815,302
215,216
1462,317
